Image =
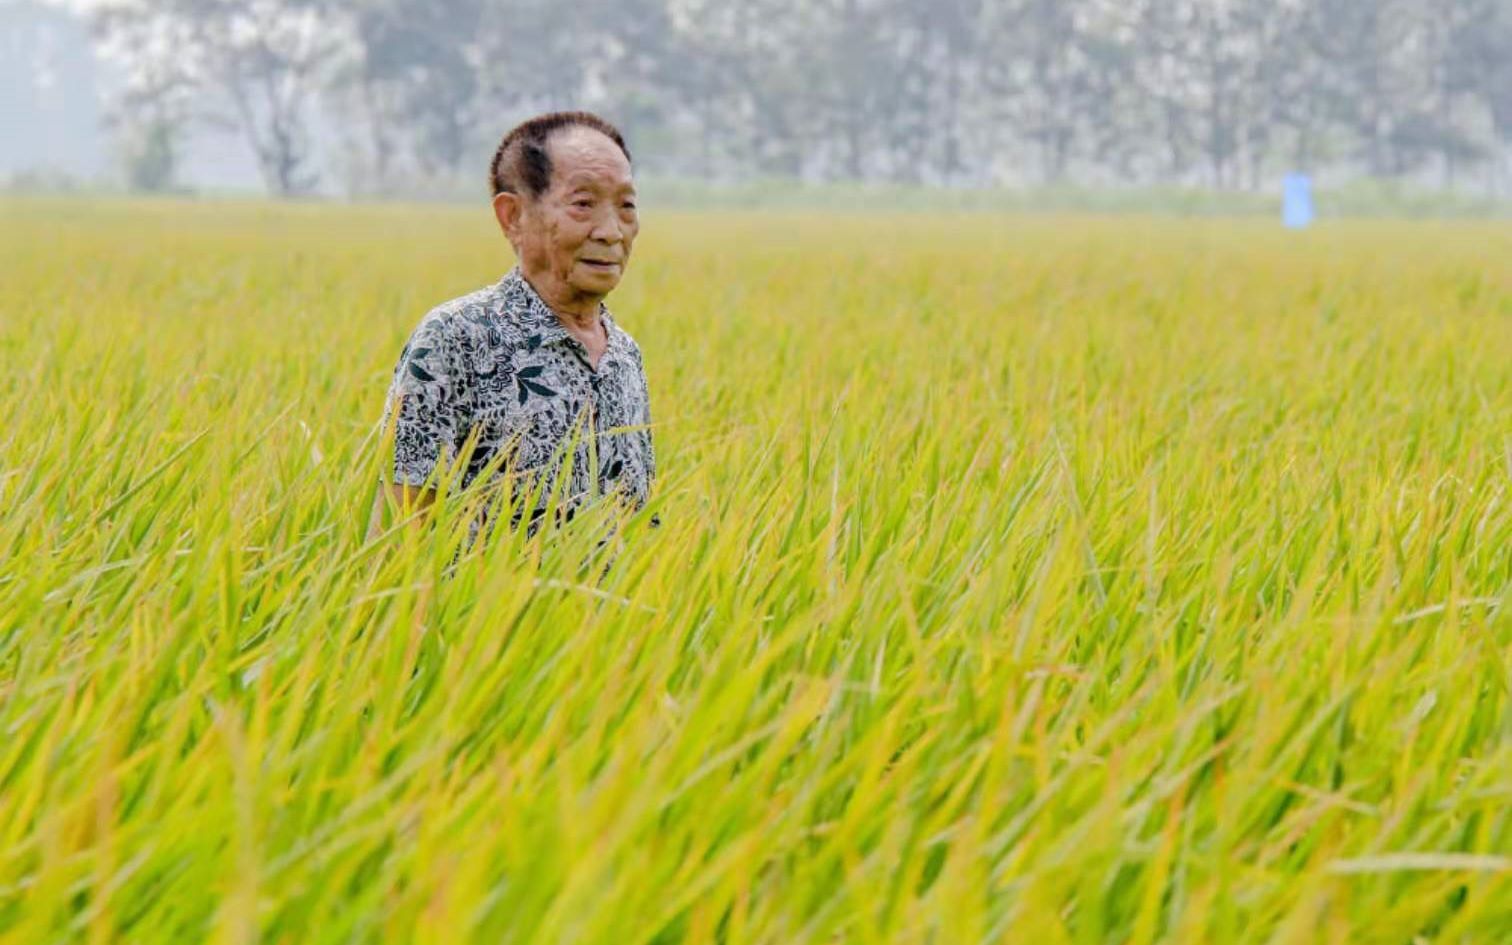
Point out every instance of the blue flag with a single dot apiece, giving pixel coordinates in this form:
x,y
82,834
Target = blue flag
x,y
1296,201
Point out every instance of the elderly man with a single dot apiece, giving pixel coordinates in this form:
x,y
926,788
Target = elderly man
x,y
514,377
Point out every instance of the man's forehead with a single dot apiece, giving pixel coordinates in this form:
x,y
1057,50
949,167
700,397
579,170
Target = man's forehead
x,y
579,152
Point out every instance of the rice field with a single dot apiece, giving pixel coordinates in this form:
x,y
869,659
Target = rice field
x,y
1019,579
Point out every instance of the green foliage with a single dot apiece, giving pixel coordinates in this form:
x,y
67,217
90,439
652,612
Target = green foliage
x,y
1029,580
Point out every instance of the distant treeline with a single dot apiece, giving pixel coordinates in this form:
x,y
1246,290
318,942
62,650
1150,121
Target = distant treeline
x,y
384,96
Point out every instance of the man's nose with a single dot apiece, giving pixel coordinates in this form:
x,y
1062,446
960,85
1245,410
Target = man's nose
x,y
607,227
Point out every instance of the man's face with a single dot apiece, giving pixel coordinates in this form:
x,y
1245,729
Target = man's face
x,y
574,239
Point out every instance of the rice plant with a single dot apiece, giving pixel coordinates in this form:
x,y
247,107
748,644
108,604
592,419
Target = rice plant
x,y
1018,579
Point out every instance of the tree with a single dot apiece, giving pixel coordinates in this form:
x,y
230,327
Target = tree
x,y
152,113
258,62
422,60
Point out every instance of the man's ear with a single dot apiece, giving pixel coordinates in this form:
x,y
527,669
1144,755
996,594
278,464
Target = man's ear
x,y
508,209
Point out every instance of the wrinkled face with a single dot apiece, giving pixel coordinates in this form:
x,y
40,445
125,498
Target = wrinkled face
x,y
574,239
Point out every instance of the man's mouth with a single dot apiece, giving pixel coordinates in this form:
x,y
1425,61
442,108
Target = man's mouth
x,y
601,263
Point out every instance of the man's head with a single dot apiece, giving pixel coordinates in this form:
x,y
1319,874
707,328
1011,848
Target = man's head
x,y
564,196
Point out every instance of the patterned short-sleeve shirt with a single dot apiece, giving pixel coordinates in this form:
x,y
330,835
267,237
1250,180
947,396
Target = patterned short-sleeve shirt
x,y
498,364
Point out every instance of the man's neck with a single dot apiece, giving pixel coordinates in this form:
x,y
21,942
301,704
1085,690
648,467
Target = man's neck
x,y
576,310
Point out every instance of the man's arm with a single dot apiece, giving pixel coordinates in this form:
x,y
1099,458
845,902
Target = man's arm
x,y
407,500
645,418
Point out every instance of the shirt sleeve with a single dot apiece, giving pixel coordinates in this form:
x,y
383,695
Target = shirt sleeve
x,y
429,402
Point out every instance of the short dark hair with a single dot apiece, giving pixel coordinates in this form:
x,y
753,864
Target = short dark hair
x,y
522,165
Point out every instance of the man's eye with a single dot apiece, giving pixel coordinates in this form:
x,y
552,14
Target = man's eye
x,y
629,205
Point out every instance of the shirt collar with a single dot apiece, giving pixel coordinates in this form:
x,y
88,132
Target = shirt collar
x,y
541,325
